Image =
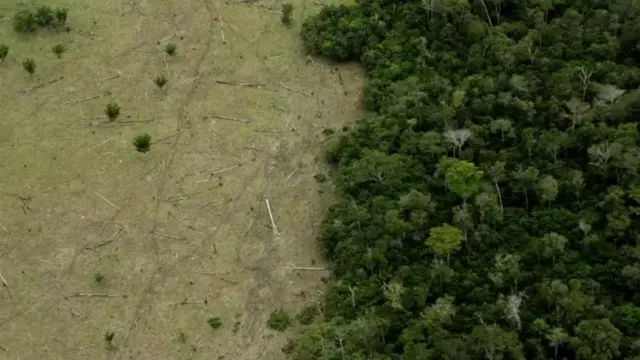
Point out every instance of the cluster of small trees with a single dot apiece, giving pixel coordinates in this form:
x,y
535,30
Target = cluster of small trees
x,y
489,209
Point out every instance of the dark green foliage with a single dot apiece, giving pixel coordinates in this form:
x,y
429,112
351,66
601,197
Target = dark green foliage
x,y
58,50
44,16
112,110
287,11
171,49
279,320
28,21
142,142
160,81
98,278
307,315
24,21
489,208
29,65
108,338
4,51
61,15
214,322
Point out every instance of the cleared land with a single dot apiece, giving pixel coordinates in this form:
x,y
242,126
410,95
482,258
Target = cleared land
x,y
181,234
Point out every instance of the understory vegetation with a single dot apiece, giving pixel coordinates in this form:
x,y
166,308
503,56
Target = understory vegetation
x,y
489,209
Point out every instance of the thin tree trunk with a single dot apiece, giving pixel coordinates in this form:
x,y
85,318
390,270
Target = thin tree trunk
x,y
499,196
486,11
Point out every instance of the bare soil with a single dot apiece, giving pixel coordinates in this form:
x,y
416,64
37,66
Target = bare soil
x,y
179,234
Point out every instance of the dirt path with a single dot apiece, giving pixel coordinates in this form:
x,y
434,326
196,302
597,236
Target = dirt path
x,y
180,234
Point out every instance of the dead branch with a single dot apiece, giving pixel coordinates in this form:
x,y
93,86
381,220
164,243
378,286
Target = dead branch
x,y
137,121
81,294
230,118
83,100
4,228
273,224
108,241
26,91
290,175
169,236
233,83
218,276
219,172
312,61
292,267
107,201
5,284
295,90
224,41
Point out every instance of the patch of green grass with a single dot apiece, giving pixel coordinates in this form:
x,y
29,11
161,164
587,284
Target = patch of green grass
x,y
142,142
279,320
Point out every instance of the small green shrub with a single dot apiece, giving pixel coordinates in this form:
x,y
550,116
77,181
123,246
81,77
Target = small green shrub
x,y
24,21
287,10
171,49
29,65
61,15
112,111
98,278
279,320
215,322
142,143
161,81
108,338
58,50
4,51
44,16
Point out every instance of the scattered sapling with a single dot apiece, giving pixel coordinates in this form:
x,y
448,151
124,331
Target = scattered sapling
x,y
214,322
279,320
287,10
161,81
112,111
142,142
171,49
4,51
29,66
58,49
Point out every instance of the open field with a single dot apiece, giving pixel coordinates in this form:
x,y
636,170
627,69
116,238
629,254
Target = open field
x,y
182,233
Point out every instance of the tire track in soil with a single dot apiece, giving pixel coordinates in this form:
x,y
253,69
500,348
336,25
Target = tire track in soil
x,y
182,120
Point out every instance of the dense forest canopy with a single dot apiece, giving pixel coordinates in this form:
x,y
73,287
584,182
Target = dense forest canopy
x,y
489,209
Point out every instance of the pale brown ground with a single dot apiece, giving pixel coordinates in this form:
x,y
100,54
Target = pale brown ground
x,y
173,232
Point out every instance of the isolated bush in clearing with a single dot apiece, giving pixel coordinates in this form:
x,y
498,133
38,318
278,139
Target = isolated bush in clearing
x,y
112,111
98,278
4,51
161,81
44,16
58,50
214,322
171,49
61,15
279,320
287,10
108,338
29,66
142,143
24,21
